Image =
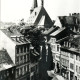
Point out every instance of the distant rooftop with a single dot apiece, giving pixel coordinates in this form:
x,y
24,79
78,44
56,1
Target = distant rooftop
x,y
5,60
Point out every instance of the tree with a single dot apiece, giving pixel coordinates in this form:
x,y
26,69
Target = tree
x,y
36,37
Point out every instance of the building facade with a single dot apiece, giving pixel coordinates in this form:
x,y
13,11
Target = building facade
x,y
18,48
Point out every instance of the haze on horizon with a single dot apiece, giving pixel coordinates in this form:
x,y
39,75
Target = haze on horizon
x,y
15,10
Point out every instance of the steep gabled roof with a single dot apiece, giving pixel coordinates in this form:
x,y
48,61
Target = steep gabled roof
x,y
36,16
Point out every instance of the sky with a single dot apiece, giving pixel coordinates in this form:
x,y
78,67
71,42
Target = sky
x,y
15,10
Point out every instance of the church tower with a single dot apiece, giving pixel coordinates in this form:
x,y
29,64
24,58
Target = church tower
x,y
34,6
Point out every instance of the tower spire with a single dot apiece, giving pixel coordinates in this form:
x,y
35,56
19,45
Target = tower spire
x,y
34,5
42,2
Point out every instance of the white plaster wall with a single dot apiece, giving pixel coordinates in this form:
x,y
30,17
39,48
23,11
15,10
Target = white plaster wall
x,y
8,44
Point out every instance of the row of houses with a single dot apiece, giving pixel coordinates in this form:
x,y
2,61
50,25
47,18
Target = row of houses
x,y
65,47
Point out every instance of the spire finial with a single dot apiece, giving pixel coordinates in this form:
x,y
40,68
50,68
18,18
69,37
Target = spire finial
x,y
34,5
42,2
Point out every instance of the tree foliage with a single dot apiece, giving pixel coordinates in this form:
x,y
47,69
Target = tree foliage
x,y
36,37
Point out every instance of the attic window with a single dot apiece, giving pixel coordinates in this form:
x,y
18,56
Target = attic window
x,y
35,13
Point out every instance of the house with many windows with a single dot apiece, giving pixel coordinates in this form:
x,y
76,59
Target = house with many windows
x,y
69,57
18,49
21,53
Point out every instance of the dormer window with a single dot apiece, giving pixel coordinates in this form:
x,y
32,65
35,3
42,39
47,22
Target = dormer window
x,y
58,48
35,13
64,43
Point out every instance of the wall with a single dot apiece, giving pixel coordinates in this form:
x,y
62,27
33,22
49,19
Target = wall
x,y
8,44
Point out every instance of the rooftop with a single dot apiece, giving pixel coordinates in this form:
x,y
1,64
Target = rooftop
x,y
5,60
39,14
15,36
52,29
57,31
74,50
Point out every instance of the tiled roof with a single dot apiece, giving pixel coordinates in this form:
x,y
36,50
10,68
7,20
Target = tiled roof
x,y
63,39
75,50
11,32
15,36
73,39
52,29
57,31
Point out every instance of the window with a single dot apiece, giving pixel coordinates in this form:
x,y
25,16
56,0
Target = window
x,y
18,50
20,71
36,68
28,48
21,49
77,57
71,66
24,48
21,58
17,59
17,73
27,57
28,68
53,47
12,71
24,58
57,47
35,13
79,70
76,68
53,40
71,56
7,73
24,69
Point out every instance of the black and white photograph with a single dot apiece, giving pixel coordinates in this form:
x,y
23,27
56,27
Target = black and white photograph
x,y
39,39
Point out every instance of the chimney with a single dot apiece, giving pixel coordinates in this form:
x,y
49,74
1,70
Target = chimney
x,y
69,44
64,44
70,14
